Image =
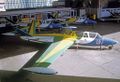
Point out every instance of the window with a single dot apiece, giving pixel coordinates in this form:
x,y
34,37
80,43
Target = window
x,y
85,35
92,35
48,21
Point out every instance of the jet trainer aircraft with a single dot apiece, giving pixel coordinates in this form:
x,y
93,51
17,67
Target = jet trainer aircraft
x,y
55,24
58,44
94,39
80,20
86,21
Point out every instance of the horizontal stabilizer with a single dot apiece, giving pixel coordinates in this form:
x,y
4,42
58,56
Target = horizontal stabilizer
x,y
41,70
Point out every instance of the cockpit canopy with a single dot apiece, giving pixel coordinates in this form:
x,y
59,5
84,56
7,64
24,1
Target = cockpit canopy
x,y
87,34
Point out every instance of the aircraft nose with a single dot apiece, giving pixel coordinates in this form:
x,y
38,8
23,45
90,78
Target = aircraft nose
x,y
110,42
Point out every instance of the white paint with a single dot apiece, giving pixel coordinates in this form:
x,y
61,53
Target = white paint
x,y
87,39
105,12
80,20
45,23
38,38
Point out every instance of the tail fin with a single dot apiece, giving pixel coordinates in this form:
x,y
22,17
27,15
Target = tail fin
x,y
21,32
31,29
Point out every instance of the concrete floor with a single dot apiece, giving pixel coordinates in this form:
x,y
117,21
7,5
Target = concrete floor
x,y
85,61
90,61
16,53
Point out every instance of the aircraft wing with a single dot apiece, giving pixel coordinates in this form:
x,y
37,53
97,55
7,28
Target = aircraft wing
x,y
50,55
53,52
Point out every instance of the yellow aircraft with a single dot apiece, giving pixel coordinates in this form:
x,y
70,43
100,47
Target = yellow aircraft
x,y
59,42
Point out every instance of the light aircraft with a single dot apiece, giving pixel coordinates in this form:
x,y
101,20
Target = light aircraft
x,y
94,39
85,20
70,20
58,43
55,24
81,20
108,15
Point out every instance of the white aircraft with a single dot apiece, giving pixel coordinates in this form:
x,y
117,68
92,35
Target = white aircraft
x,y
94,39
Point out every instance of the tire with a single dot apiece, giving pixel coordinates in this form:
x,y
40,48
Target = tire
x,y
110,47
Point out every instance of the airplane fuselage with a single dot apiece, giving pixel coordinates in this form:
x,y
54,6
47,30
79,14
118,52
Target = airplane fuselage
x,y
94,39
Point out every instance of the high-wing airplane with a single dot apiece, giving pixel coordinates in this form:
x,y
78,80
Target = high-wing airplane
x,y
94,39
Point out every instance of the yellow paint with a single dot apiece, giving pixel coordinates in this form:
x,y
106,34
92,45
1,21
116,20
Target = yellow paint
x,y
68,38
25,20
31,32
61,45
71,20
71,34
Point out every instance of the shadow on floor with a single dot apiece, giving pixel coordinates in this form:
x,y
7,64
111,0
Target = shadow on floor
x,y
103,28
12,46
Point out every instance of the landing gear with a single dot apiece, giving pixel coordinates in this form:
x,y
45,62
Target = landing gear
x,y
100,46
110,47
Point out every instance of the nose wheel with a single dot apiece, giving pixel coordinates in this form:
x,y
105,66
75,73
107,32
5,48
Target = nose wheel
x,y
110,47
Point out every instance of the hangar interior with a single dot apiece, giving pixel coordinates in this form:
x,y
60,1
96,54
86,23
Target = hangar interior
x,y
59,40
